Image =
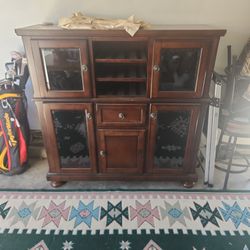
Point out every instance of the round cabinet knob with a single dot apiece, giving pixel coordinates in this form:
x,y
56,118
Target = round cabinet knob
x,y
153,115
89,116
102,153
121,116
84,67
156,68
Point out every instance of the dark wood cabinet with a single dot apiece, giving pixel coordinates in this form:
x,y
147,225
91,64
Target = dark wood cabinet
x,y
115,107
69,137
121,151
180,68
64,68
172,143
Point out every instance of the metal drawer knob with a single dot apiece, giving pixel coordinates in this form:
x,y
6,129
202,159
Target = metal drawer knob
x,y
89,116
102,153
156,68
153,115
84,67
121,116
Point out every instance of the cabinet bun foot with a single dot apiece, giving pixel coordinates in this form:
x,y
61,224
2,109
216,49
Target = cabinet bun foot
x,y
56,184
189,184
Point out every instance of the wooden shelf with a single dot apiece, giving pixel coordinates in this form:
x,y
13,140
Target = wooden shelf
x,y
121,89
120,52
123,65
121,72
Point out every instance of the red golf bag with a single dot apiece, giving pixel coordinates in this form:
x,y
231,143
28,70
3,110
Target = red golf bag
x,y
14,132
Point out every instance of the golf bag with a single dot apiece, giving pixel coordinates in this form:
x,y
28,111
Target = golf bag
x,y
14,132
14,126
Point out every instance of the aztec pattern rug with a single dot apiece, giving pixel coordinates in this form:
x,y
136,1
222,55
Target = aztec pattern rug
x,y
124,220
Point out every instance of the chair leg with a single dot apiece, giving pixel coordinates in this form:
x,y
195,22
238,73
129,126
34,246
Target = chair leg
x,y
229,144
219,143
230,161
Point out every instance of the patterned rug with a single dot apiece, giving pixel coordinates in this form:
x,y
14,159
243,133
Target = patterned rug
x,y
124,220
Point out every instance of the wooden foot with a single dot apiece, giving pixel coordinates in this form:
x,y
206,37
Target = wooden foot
x,y
56,184
189,184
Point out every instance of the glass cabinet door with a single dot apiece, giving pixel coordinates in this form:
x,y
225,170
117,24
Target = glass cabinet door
x,y
179,68
63,68
171,136
70,136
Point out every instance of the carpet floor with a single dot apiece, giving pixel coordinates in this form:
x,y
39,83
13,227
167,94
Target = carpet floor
x,y
124,219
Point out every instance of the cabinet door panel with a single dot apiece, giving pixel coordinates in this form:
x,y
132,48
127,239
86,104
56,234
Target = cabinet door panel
x,y
172,136
69,137
121,151
63,68
56,61
179,68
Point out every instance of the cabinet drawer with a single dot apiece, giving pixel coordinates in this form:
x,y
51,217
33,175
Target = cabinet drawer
x,y
121,114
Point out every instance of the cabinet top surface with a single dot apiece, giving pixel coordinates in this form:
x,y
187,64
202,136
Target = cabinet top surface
x,y
43,30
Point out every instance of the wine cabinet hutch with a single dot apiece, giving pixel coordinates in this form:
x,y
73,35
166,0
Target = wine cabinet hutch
x,y
115,107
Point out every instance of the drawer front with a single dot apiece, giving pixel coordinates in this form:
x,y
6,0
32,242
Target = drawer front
x,y
121,114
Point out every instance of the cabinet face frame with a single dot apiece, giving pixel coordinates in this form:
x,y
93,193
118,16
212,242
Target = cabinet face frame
x,y
191,145
50,136
201,75
102,146
37,45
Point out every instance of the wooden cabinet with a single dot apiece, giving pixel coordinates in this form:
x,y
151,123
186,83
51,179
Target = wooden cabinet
x,y
115,107
172,143
69,137
180,68
63,67
121,151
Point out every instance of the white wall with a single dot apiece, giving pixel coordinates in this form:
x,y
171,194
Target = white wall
x,y
229,14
